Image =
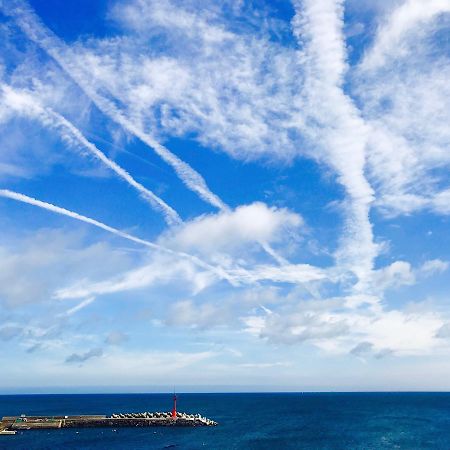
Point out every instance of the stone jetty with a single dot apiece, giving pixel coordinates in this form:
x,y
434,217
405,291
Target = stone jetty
x,y
144,419
192,419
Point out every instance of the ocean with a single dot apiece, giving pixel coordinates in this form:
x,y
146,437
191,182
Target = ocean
x,y
246,421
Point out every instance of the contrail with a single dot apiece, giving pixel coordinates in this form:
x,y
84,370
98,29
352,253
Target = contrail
x,y
271,252
170,215
238,277
221,273
190,177
27,104
77,308
344,133
53,46
36,31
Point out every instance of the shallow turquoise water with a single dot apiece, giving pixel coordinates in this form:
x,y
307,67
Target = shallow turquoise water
x,y
247,421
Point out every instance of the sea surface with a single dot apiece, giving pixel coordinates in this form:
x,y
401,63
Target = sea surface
x,y
246,421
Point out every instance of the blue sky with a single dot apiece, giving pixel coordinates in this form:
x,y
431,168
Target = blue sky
x,y
224,195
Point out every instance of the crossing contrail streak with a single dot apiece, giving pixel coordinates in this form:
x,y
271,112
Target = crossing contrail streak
x,y
36,31
235,278
65,212
55,48
169,213
26,104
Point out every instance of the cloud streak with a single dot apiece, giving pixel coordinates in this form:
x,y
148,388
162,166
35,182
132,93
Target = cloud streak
x,y
83,357
401,85
26,104
36,31
390,42
58,210
341,132
369,110
79,307
43,37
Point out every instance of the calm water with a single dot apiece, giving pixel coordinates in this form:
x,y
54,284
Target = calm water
x,y
247,421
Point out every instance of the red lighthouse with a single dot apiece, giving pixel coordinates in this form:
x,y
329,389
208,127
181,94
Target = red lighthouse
x,y
174,409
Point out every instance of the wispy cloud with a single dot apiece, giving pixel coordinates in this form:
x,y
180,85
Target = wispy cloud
x,y
363,93
340,131
390,42
83,357
80,306
401,85
56,209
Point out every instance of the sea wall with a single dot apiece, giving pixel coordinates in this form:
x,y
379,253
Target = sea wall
x,y
145,419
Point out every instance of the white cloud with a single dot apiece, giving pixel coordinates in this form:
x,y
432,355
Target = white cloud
x,y
401,85
399,273
381,127
230,230
186,313
253,100
137,15
287,273
62,211
162,271
390,41
71,61
441,202
31,269
340,134
222,98
227,238
159,271
433,266
405,334
338,330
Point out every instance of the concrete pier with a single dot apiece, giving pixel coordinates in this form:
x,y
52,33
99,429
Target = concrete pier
x,y
10,424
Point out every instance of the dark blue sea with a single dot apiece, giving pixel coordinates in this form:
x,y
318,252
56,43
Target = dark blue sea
x,y
246,421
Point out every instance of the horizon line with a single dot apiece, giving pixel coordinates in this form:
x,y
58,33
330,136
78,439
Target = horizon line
x,y
219,392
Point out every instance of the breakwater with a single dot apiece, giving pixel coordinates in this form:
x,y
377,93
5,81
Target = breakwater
x,y
144,419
